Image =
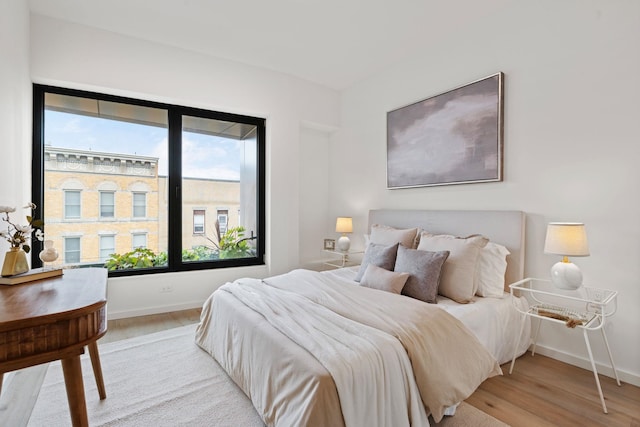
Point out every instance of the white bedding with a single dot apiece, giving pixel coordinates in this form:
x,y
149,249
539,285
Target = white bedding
x,y
254,338
494,321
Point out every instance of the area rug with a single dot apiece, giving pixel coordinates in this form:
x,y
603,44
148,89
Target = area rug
x,y
165,379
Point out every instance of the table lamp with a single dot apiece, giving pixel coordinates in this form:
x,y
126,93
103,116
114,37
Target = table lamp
x,y
566,239
344,225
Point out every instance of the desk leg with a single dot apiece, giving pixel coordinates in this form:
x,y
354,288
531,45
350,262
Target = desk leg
x,y
75,391
97,369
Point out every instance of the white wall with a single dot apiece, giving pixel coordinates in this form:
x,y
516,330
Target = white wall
x,y
80,57
313,208
15,109
572,123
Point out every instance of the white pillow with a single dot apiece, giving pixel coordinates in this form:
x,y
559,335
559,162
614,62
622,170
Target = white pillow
x,y
385,235
459,270
384,280
492,265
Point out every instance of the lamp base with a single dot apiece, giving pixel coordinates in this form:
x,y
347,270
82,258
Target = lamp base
x,y
566,275
343,244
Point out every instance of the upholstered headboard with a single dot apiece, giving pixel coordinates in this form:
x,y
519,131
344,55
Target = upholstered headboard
x,y
503,227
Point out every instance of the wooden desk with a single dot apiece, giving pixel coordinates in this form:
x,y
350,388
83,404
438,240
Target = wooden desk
x,y
54,319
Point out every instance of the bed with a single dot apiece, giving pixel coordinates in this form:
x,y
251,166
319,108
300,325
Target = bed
x,y
312,348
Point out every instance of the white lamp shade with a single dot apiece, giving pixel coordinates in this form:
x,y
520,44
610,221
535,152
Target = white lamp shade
x,y
566,239
344,225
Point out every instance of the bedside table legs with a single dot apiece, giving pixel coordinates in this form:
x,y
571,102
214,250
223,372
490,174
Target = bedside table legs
x,y
515,349
593,365
606,343
535,338
595,372
588,344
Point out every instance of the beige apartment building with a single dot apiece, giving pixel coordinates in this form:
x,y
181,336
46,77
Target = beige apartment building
x,y
100,203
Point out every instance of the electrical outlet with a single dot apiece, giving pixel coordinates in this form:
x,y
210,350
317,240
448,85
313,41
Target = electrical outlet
x,y
166,288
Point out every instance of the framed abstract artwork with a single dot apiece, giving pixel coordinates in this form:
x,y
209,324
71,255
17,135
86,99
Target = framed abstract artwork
x,y
451,138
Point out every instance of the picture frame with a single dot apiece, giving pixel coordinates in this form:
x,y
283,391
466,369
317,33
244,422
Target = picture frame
x,y
329,244
455,137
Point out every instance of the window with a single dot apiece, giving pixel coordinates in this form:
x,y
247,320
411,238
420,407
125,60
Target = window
x,y
107,204
139,240
71,204
107,247
71,250
198,221
173,163
223,220
139,205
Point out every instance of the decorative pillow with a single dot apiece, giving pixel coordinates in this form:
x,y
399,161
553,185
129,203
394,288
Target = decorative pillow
x,y
385,235
492,265
379,255
459,270
425,269
384,280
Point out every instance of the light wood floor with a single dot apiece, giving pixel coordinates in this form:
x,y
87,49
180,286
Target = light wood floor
x,y
545,392
120,329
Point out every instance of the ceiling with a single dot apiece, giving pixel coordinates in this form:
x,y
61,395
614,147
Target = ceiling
x,y
335,43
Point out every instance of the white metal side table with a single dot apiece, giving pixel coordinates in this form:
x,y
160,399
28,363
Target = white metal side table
x,y
584,308
341,259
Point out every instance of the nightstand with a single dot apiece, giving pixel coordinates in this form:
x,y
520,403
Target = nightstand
x,y
584,308
340,259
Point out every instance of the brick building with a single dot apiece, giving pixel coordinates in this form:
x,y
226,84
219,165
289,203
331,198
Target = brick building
x,y
100,203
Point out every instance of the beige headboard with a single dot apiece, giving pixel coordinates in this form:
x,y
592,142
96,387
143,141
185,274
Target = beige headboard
x,y
503,227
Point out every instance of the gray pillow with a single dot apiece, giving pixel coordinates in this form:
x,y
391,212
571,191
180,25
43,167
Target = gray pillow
x,y
379,255
424,268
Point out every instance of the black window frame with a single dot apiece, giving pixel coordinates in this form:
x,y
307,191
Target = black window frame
x,y
174,114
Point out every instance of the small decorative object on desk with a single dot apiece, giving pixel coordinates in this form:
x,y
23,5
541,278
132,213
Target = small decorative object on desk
x,y
49,253
18,236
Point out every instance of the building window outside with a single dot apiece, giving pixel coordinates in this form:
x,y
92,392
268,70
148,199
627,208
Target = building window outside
x,y
107,204
139,205
223,220
198,221
71,204
139,240
107,247
71,250
174,161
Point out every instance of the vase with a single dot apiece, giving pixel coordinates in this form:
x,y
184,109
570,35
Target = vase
x,y
49,253
15,262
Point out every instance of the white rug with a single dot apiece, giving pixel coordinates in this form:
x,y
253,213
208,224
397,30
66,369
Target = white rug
x,y
165,379
161,379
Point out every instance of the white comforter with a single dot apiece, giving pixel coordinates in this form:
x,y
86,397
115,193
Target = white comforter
x,y
371,369
363,337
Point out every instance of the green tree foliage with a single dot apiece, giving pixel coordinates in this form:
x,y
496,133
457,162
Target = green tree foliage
x,y
231,244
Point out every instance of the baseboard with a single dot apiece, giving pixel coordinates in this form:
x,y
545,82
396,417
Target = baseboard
x,y
580,362
113,315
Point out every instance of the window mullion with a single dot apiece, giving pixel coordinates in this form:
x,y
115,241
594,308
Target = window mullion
x,y
174,253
